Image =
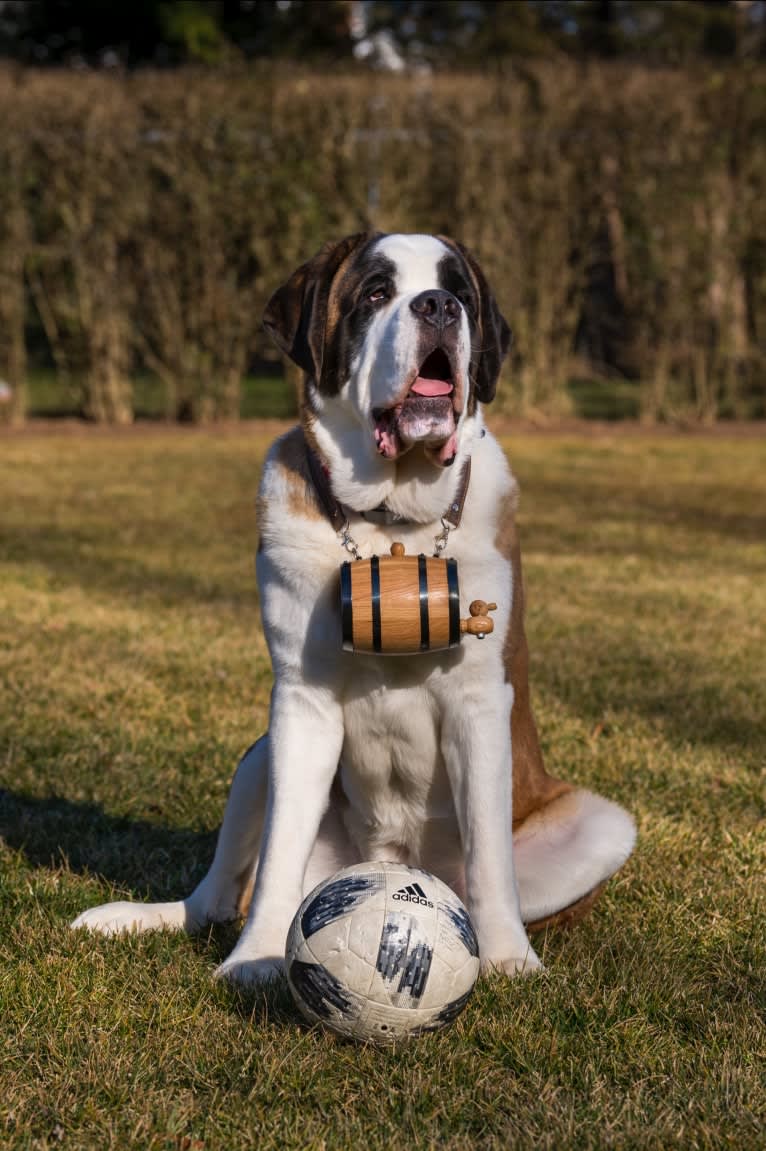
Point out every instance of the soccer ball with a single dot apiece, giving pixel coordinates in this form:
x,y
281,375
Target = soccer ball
x,y
380,951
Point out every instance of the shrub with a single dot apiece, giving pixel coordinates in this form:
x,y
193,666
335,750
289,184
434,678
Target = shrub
x,y
619,212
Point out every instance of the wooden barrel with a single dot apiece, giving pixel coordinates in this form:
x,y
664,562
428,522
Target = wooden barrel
x,y
399,605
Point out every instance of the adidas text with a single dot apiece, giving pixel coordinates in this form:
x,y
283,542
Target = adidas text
x,y
413,893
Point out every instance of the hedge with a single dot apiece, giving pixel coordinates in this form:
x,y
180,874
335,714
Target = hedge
x,y
620,213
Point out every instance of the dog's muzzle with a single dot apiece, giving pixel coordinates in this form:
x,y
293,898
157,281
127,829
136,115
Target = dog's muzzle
x,y
425,415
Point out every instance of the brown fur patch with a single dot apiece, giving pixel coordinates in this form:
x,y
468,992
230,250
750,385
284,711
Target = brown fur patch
x,y
334,312
246,895
533,788
296,314
290,460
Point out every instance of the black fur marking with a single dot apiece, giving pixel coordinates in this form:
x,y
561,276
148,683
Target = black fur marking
x,y
320,991
366,271
458,916
336,899
454,278
296,315
369,274
489,351
400,956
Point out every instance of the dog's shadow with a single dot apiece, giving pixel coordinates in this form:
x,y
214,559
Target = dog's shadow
x,y
149,861
143,861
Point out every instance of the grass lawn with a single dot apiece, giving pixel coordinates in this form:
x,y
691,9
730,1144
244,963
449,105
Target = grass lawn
x,y
133,673
270,396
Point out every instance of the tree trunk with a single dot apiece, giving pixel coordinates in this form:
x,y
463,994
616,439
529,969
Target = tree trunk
x,y
13,352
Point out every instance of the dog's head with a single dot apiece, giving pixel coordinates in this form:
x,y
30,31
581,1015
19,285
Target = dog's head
x,y
399,337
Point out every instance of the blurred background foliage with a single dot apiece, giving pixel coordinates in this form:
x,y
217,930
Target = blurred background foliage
x,y
440,33
164,165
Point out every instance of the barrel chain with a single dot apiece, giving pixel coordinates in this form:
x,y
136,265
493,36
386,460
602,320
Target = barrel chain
x,y
441,540
348,542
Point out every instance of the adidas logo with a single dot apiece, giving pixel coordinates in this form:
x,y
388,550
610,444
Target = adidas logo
x,y
413,893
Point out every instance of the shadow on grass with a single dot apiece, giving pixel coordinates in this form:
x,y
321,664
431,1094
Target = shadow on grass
x,y
632,675
59,551
151,862
269,1003
144,862
591,501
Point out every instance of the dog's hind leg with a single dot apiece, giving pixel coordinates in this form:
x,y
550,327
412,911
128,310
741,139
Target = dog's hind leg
x,y
566,841
225,891
565,851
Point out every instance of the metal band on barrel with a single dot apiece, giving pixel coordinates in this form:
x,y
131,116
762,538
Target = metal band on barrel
x,y
425,632
346,606
453,591
375,579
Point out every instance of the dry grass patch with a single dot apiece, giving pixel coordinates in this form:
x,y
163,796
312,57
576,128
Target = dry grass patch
x,y
133,674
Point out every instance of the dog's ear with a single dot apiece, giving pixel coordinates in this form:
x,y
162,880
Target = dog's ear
x,y
494,332
296,315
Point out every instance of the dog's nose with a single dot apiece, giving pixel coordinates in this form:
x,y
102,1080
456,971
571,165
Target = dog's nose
x,y
436,307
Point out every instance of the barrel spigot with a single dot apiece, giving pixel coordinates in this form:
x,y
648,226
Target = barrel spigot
x,y
479,624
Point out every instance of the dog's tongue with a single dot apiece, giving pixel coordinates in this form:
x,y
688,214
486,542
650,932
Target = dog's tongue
x,y
426,387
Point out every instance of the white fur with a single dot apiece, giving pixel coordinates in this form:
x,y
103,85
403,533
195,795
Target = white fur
x,y
569,849
416,258
420,746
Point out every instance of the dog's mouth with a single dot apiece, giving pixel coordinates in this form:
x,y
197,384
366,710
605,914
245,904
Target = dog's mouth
x,y
426,414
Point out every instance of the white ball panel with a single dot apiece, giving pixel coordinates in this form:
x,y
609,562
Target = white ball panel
x,y
365,928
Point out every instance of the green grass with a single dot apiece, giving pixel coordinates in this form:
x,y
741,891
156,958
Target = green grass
x,y
274,397
598,399
262,397
132,675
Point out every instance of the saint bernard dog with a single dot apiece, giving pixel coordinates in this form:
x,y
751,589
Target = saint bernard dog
x,y
431,759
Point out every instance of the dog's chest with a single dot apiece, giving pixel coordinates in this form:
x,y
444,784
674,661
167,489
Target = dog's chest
x,y
391,755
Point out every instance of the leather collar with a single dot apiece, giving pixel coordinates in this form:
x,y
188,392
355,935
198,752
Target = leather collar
x,y
333,509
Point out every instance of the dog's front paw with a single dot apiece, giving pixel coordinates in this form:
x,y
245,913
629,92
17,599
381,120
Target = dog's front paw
x,y
525,964
122,918
251,972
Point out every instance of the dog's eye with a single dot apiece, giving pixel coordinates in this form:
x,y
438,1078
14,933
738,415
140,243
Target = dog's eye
x,y
466,299
378,295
